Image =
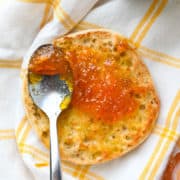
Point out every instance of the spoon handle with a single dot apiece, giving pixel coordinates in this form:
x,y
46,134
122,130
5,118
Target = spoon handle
x,y
55,168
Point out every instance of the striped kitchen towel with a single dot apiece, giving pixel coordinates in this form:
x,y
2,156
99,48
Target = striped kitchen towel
x,y
153,26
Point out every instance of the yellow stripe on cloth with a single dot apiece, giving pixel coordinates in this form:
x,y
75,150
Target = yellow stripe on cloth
x,y
45,16
144,20
69,168
63,16
69,165
35,153
67,17
159,57
60,16
6,134
161,139
60,13
23,131
166,130
6,137
85,171
10,64
160,54
9,131
166,133
42,164
94,176
50,16
20,126
32,154
37,1
83,25
165,147
151,21
23,73
76,169
27,130
69,171
173,107
35,150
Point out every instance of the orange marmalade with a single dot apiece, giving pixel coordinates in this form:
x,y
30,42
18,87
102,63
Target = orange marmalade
x,y
172,164
100,86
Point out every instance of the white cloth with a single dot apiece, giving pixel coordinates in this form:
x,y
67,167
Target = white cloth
x,y
152,25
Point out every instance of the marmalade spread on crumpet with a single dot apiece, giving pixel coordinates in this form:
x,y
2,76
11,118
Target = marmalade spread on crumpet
x,y
100,86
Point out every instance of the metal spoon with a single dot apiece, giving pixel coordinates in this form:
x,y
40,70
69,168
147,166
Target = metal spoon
x,y
47,95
